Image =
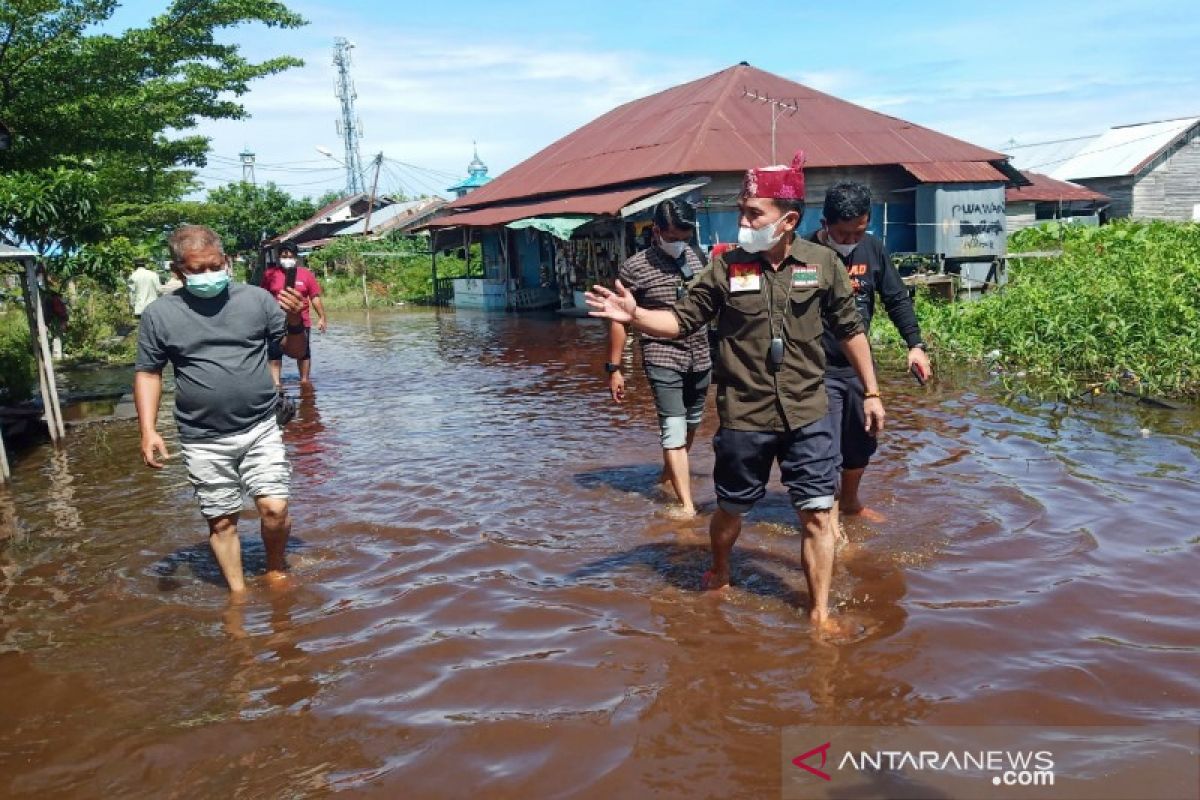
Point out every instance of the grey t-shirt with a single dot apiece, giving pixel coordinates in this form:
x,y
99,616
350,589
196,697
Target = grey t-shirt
x,y
218,347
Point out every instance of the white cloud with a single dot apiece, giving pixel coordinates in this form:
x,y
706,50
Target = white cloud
x,y
423,101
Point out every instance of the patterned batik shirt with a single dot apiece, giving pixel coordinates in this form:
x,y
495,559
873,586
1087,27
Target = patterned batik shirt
x,y
657,282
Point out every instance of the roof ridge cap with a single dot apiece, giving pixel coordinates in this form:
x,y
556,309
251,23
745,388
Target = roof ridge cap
x,y
699,135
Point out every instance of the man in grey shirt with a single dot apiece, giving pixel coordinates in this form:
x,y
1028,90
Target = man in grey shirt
x,y
216,334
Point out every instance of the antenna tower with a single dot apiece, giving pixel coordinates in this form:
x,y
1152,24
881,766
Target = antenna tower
x,y
247,166
789,106
349,127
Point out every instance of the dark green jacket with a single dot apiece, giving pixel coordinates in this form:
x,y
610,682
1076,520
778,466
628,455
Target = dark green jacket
x,y
810,290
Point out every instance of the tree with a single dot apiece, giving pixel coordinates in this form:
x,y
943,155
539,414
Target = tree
x,y
101,120
51,210
331,196
64,92
244,214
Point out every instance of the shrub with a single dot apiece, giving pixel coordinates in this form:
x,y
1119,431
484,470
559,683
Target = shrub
x,y
1118,310
18,372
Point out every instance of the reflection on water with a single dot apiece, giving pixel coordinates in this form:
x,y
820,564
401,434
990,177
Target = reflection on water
x,y
488,593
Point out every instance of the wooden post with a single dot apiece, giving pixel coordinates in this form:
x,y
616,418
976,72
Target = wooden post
x,y
53,409
467,252
41,355
367,225
5,472
437,297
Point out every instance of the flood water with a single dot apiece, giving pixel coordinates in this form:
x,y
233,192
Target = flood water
x,y
491,599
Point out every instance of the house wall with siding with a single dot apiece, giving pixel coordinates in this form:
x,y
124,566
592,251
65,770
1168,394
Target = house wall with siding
x,y
718,211
882,181
1171,186
1119,191
1019,215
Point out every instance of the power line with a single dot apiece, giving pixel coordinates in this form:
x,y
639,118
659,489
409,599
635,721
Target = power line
x,y
435,172
422,182
232,160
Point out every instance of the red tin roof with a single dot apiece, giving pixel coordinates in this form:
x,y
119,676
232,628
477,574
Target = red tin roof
x,y
954,172
708,126
1044,189
606,202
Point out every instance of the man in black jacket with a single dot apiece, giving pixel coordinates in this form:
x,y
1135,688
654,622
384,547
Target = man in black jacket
x,y
847,213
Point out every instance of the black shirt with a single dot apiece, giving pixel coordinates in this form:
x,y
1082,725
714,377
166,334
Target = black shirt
x,y
871,272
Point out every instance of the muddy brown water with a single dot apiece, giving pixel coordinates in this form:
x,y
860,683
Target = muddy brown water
x,y
490,599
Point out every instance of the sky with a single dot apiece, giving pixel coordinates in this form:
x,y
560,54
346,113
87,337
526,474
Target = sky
x,y
432,78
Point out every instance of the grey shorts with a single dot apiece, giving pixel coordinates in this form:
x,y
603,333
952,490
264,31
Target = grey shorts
x,y
253,460
679,399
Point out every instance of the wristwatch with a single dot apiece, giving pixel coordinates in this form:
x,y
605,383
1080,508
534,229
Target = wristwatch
x,y
919,346
610,367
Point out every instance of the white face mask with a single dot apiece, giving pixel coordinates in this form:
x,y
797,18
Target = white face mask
x,y
759,240
673,249
843,249
287,263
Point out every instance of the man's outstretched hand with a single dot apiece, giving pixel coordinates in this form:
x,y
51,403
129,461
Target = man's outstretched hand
x,y
619,305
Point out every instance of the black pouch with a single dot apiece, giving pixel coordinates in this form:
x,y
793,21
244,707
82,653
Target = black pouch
x,y
776,352
285,409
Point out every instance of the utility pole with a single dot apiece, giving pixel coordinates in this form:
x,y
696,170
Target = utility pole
x,y
349,127
778,107
367,224
247,166
374,187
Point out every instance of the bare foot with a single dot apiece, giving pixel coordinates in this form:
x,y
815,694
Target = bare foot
x,y
278,580
712,582
863,512
834,629
680,512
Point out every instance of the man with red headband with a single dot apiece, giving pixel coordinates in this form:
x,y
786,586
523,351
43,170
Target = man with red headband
x,y
771,297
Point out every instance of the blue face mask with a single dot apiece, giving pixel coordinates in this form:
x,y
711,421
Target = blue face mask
x,y
208,284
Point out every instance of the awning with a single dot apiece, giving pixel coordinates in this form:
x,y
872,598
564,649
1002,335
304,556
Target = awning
x,y
955,172
665,194
593,203
558,227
